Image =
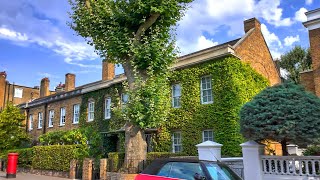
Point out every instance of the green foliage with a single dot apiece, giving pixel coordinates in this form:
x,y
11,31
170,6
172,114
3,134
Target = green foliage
x,y
313,150
12,129
233,84
149,104
295,61
25,157
155,155
116,160
83,136
282,113
57,157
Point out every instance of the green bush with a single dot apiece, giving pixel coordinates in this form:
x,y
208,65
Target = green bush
x,y
313,150
155,155
57,157
25,157
75,136
115,160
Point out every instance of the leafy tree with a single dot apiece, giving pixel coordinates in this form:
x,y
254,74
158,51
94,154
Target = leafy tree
x,y
295,61
138,35
284,113
12,131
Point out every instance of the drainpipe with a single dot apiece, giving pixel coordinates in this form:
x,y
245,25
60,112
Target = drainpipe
x,y
45,118
27,123
5,94
13,92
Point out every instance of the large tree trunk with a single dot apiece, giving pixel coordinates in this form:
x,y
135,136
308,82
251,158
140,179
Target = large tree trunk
x,y
284,148
135,148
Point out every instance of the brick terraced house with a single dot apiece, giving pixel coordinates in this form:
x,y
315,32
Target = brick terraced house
x,y
208,88
311,79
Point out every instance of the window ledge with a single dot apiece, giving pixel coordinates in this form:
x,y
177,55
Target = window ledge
x,y
61,125
50,126
39,128
75,123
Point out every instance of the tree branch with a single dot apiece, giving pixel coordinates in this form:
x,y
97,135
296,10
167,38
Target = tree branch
x,y
146,25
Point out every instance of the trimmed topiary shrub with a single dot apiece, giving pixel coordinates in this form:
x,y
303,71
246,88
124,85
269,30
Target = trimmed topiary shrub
x,y
115,160
155,155
57,157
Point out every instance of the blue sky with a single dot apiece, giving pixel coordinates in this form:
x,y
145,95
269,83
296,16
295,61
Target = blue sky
x,y
35,41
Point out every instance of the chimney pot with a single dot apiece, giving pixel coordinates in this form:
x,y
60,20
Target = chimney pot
x,y
107,70
44,87
251,23
70,82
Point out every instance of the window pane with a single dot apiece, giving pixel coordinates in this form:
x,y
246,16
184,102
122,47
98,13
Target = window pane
x,y
165,170
185,170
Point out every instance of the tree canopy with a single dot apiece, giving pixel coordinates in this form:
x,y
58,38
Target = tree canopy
x,y
139,35
296,61
12,131
283,113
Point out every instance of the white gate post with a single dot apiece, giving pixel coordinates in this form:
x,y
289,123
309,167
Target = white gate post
x,y
209,151
252,164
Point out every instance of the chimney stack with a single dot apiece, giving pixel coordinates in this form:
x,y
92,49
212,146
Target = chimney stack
x,y
70,82
251,23
313,25
107,70
44,87
3,77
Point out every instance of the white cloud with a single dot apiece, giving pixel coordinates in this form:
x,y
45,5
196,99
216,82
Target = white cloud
x,y
12,35
271,38
309,2
195,45
289,40
272,13
300,15
204,43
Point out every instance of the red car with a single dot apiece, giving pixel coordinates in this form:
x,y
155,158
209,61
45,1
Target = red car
x,y
189,169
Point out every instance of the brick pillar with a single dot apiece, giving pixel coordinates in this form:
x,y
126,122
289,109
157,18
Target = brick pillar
x,y
44,87
72,171
70,82
87,169
103,169
107,70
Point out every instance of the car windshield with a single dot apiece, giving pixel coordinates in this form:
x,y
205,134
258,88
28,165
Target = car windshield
x,y
221,172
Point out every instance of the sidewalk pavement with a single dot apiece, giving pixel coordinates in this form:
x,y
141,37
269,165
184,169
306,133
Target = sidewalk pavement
x,y
26,176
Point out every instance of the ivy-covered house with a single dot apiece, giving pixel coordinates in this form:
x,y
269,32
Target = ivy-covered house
x,y
207,87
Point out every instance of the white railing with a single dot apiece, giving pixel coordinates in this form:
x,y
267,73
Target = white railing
x,y
291,165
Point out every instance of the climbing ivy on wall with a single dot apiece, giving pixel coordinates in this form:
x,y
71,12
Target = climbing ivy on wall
x,y
233,84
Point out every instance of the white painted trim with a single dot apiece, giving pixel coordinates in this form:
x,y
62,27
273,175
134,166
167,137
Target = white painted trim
x,y
201,93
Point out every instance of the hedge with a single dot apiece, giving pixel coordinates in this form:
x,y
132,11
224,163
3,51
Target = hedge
x,y
313,150
115,160
25,157
56,157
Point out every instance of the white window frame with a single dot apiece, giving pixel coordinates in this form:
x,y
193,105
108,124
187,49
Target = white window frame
x,y
62,116
207,89
176,144
123,103
76,114
90,111
30,122
107,109
51,117
40,120
176,97
207,138
18,92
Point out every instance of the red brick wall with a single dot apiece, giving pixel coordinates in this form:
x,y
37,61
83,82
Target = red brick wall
x,y
67,103
70,82
306,79
314,36
254,50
